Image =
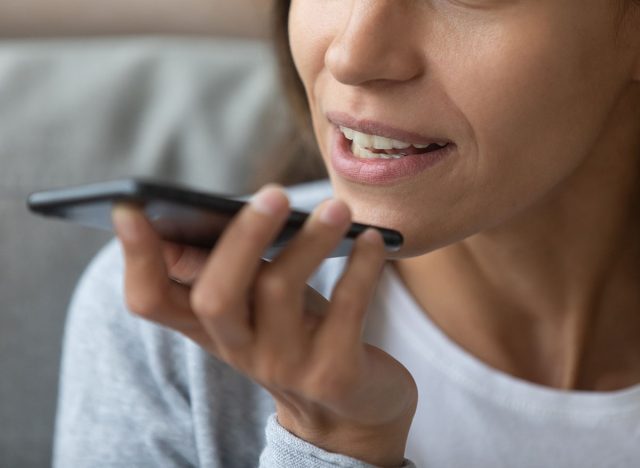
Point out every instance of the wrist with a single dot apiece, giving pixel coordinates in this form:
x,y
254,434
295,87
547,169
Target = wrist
x,y
382,446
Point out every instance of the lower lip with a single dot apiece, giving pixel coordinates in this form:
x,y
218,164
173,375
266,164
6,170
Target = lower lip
x,y
380,171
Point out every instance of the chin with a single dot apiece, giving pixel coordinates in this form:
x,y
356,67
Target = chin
x,y
418,238
424,225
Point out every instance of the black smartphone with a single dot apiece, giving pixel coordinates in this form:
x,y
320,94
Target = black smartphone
x,y
177,213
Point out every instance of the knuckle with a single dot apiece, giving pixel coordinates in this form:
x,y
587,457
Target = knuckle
x,y
347,300
274,285
209,303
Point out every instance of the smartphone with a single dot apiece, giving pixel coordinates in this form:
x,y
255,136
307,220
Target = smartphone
x,y
178,214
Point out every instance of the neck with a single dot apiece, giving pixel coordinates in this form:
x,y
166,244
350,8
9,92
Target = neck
x,y
552,296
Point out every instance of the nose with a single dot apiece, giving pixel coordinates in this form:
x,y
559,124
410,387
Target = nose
x,y
375,44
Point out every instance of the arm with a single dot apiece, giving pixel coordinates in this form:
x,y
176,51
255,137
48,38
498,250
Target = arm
x,y
33,18
121,401
331,389
125,401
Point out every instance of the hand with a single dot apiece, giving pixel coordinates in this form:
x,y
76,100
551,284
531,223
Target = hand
x,y
330,388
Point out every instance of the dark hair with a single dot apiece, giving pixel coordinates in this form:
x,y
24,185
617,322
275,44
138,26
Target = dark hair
x,y
291,82
298,158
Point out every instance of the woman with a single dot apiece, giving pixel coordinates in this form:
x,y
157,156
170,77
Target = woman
x,y
502,138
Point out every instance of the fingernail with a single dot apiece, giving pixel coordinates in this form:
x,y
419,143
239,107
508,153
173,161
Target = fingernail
x,y
334,213
269,201
125,222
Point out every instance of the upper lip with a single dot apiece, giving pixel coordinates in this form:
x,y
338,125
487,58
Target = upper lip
x,y
372,127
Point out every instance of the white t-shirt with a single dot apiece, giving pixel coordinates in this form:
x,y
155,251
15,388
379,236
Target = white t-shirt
x,y
471,415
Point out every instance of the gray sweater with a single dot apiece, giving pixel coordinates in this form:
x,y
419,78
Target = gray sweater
x,y
134,394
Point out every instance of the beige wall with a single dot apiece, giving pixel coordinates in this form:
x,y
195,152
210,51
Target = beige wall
x,y
38,18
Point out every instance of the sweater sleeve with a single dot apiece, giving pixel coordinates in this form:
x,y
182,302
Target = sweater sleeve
x,y
123,401
284,449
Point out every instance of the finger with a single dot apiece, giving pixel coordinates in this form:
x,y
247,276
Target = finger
x,y
220,295
314,242
280,290
184,263
148,290
341,330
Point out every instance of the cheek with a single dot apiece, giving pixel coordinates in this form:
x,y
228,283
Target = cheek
x,y
536,98
536,83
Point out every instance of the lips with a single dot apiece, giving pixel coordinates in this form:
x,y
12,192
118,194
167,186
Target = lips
x,y
380,171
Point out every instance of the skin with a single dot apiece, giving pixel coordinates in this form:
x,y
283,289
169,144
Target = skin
x,y
532,218
536,208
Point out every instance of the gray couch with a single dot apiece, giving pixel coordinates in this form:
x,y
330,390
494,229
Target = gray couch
x,y
195,111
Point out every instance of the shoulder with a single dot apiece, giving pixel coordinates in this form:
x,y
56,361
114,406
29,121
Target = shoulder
x,y
122,375
101,329
144,356
98,304
99,319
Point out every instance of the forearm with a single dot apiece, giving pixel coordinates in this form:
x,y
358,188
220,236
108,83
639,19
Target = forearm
x,y
36,18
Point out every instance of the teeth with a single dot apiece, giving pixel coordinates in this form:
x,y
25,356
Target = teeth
x,y
347,133
360,152
373,141
382,143
399,144
378,142
362,139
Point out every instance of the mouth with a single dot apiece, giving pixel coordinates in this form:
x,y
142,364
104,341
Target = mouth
x,y
367,146
372,153
370,139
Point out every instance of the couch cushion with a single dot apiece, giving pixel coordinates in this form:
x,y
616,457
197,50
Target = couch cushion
x,y
196,111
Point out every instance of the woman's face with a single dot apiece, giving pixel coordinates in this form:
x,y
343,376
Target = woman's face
x,y
519,89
